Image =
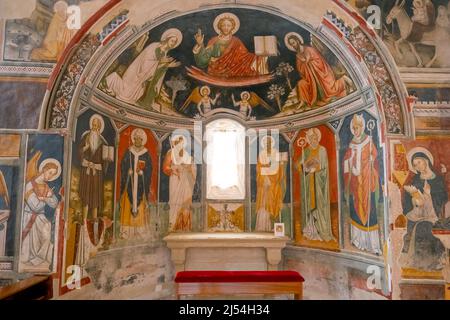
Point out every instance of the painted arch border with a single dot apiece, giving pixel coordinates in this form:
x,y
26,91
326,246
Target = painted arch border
x,y
400,89
115,48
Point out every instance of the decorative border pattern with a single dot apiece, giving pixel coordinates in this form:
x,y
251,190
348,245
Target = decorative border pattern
x,y
383,81
70,80
30,70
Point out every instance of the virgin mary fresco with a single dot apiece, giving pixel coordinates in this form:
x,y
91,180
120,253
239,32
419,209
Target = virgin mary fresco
x,y
423,202
147,71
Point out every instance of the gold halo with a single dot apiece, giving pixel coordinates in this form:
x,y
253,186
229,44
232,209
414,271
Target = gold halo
x,y
228,15
51,160
295,34
414,151
100,118
172,32
247,93
312,131
140,132
203,88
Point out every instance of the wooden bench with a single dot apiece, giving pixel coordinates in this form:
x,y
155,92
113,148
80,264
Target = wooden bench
x,y
34,288
239,282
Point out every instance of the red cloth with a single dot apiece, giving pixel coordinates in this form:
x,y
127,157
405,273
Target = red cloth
x,y
235,61
318,84
238,276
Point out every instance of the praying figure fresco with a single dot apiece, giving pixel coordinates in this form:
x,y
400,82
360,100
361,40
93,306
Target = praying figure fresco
x,y
318,85
41,203
145,75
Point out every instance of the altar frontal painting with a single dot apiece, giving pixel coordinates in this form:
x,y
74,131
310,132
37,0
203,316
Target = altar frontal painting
x,y
202,61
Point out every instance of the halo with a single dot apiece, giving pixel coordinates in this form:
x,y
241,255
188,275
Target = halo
x,y
413,151
60,4
229,16
295,34
51,160
363,123
264,141
311,131
140,132
176,137
172,32
205,87
102,122
245,92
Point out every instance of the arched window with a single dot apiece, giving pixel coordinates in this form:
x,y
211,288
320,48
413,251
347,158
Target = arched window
x,y
225,160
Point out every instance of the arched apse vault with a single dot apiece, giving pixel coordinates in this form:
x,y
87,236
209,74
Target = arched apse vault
x,y
348,36
364,87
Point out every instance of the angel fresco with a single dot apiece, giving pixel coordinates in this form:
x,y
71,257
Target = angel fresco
x,y
225,57
143,79
37,245
318,85
249,100
201,97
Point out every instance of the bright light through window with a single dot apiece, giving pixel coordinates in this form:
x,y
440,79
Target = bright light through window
x,y
225,160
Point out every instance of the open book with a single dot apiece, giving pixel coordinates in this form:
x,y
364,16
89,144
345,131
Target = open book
x,y
108,153
266,46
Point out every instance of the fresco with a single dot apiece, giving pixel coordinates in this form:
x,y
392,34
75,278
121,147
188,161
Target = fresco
x,y
41,37
203,61
137,183
8,201
9,171
180,186
315,189
91,207
362,178
41,208
129,186
416,32
270,183
419,172
226,217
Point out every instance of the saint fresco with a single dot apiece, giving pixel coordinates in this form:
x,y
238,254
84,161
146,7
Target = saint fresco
x,y
41,211
362,180
315,188
217,63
